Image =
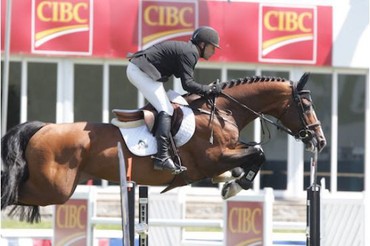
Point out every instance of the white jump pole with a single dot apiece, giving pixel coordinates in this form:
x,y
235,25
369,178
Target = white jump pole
x,y
124,198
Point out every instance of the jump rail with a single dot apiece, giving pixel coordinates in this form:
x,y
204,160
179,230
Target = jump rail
x,y
127,192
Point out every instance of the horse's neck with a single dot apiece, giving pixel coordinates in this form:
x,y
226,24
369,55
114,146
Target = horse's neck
x,y
269,98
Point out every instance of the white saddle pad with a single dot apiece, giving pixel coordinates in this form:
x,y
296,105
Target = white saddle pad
x,y
142,143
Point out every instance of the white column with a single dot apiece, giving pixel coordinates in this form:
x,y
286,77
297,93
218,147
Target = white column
x,y
5,83
105,94
267,217
24,96
295,169
367,163
65,91
334,135
295,164
257,139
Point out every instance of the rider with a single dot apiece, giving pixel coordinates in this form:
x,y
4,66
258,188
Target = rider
x,y
149,68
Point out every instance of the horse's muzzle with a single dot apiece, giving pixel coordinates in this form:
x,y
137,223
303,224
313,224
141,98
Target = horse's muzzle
x,y
312,140
321,143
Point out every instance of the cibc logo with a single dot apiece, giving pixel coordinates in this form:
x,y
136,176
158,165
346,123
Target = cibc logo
x,y
287,34
164,20
62,27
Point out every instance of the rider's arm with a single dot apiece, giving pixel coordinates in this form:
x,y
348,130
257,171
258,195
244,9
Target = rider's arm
x,y
187,65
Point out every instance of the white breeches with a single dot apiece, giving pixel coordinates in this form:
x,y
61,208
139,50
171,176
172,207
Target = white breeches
x,y
152,90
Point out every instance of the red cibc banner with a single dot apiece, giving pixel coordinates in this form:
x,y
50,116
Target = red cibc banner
x,y
248,219
244,223
62,27
70,223
161,20
287,34
250,31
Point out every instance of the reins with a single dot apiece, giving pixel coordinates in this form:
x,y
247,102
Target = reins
x,y
306,134
260,115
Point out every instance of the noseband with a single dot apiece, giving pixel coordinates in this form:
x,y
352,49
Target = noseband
x,y
307,133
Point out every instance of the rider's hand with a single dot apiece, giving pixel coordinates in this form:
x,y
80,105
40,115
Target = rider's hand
x,y
213,90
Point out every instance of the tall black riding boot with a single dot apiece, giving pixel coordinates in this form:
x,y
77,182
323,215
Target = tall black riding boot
x,y
163,158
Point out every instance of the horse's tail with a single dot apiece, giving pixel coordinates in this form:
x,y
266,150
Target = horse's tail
x,y
14,171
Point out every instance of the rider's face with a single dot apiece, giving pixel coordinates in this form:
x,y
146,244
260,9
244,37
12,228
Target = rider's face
x,y
209,51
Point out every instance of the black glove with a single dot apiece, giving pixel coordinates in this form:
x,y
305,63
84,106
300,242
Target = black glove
x,y
213,90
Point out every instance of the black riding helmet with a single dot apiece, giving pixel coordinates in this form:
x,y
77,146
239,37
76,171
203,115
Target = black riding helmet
x,y
207,35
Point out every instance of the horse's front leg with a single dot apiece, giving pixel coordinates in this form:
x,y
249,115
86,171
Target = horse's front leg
x,y
249,159
230,175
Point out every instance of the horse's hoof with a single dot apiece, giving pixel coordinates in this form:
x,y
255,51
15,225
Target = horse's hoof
x,y
230,189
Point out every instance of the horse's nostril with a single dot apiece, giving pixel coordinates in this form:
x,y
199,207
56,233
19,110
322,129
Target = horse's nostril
x,y
322,144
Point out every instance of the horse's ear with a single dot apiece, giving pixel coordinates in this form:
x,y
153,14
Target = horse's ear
x,y
302,81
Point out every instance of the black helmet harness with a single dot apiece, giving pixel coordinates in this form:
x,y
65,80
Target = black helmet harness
x,y
206,35
202,49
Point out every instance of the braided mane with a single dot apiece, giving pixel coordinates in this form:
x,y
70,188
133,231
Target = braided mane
x,y
250,80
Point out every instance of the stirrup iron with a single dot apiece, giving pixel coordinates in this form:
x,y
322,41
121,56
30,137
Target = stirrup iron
x,y
161,165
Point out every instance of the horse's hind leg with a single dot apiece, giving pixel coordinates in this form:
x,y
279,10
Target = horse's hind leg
x,y
53,162
32,193
43,188
49,182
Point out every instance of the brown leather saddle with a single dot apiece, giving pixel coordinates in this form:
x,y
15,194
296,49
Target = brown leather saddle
x,y
148,115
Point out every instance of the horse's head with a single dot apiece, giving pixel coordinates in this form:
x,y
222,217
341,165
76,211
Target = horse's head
x,y
308,127
289,103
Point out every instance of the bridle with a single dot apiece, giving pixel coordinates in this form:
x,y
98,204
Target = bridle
x,y
307,133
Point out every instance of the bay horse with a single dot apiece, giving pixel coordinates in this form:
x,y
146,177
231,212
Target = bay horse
x,y
44,162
